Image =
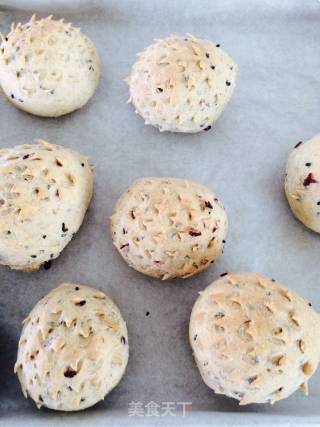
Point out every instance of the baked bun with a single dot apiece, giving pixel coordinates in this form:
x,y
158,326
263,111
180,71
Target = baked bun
x,y
45,190
253,339
73,348
47,67
182,84
168,227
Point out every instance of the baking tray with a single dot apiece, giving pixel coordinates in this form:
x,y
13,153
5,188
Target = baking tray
x,y
276,103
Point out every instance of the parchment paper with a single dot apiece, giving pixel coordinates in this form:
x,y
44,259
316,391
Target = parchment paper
x,y
276,103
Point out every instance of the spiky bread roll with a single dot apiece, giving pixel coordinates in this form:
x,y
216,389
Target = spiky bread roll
x,y
48,67
182,84
302,182
73,348
168,227
45,190
254,339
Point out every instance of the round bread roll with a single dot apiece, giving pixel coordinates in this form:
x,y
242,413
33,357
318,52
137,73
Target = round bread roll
x,y
45,190
47,67
302,182
182,84
254,339
168,227
73,349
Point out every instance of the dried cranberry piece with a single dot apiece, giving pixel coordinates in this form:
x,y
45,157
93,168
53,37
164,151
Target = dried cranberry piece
x,y
309,180
70,373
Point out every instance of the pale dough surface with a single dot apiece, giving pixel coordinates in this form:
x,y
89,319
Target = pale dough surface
x,y
253,339
45,190
182,84
73,348
48,67
302,182
168,227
